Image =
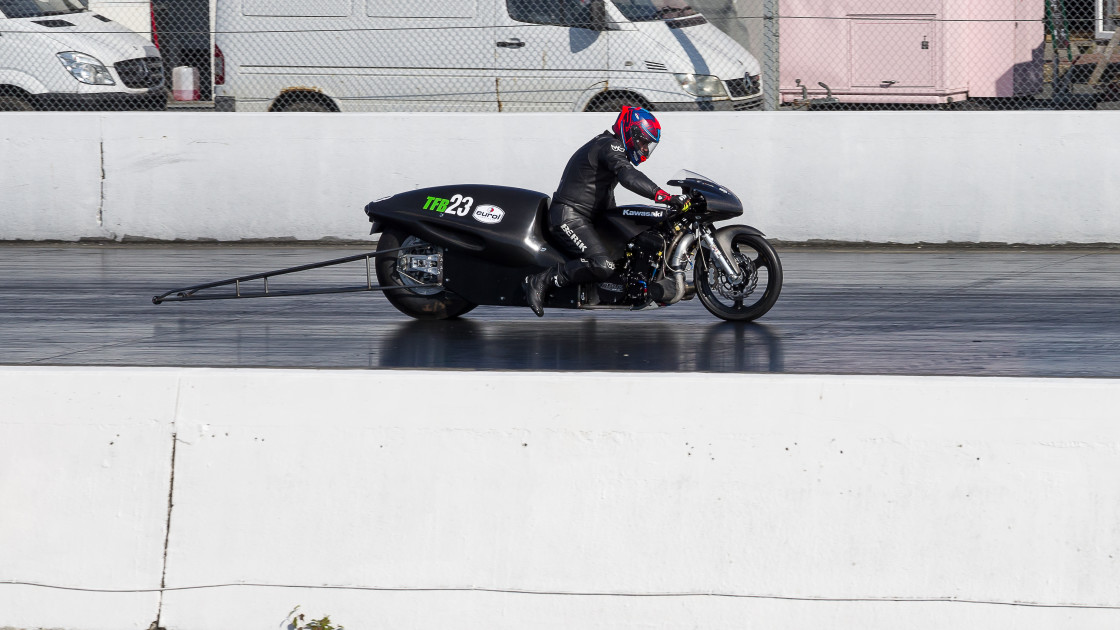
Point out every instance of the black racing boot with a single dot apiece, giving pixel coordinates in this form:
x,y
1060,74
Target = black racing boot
x,y
536,289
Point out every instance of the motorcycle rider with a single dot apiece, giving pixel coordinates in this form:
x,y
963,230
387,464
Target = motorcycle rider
x,y
586,190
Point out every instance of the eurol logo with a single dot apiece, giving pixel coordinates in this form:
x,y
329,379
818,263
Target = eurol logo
x,y
488,214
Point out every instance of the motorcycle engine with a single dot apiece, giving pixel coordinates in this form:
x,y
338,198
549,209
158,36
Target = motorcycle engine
x,y
632,283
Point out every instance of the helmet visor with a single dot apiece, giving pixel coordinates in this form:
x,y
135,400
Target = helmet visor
x,y
645,146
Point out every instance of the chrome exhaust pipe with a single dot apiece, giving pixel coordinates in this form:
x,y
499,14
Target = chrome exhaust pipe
x,y
676,261
680,252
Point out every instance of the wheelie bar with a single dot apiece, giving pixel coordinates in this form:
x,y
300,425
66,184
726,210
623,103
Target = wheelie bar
x,y
190,293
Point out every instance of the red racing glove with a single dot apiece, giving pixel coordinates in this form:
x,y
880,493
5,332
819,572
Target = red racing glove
x,y
676,203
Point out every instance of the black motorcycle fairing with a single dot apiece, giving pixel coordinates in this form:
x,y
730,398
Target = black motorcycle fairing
x,y
497,223
640,214
719,203
622,224
489,283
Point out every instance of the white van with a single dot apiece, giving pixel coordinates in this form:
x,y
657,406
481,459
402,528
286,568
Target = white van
x,y
57,55
476,55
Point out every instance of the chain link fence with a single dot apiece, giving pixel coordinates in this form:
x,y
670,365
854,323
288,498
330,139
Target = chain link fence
x,y
558,55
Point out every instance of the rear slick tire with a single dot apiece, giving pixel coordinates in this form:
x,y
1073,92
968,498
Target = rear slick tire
x,y
751,298
425,304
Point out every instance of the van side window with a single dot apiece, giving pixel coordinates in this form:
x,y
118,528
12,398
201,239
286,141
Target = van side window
x,y
575,13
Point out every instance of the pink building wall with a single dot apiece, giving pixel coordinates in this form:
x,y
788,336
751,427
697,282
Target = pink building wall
x,y
911,51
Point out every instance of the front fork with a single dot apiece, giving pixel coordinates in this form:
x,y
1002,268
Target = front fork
x,y
732,271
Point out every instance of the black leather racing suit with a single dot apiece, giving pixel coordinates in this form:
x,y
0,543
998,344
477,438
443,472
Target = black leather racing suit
x,y
586,189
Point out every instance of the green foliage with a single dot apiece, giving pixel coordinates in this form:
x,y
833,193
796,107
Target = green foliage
x,y
298,621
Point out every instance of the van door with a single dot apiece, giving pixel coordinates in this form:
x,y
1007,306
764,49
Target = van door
x,y
433,55
547,55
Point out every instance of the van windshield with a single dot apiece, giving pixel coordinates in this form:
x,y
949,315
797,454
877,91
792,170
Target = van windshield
x,y
40,8
653,10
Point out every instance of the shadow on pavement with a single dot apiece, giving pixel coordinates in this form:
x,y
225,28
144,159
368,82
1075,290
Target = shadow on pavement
x,y
581,346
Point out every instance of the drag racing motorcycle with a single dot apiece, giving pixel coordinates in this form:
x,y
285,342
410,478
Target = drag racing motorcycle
x,y
446,249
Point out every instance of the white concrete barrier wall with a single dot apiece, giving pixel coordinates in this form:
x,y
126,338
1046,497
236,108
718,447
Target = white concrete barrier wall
x,y
905,177
490,500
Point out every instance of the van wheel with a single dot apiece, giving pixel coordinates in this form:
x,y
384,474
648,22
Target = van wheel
x,y
613,102
302,105
13,103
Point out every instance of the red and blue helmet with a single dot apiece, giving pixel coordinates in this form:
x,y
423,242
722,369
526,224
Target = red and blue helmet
x,y
639,132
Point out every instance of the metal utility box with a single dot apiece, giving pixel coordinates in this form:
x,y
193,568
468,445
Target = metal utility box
x,y
911,51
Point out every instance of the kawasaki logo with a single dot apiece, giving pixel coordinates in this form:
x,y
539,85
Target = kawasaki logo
x,y
653,214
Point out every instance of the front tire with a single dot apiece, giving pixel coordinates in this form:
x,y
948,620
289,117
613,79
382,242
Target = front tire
x,y
752,297
422,302
15,103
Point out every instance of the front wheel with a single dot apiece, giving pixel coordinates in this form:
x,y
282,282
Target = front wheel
x,y
15,103
753,295
418,263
